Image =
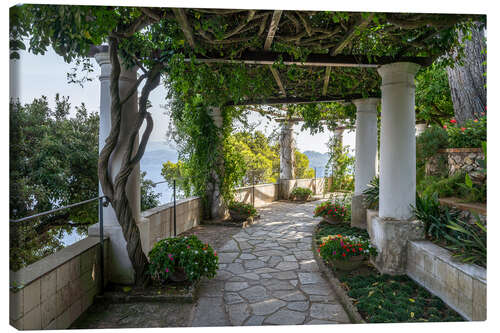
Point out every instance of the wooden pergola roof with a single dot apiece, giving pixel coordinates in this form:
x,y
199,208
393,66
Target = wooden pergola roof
x,y
311,56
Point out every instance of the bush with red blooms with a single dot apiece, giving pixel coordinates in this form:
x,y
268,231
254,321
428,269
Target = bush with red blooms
x,y
341,247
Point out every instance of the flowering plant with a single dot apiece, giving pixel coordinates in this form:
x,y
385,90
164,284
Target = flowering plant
x,y
341,247
243,208
467,135
301,193
186,255
338,209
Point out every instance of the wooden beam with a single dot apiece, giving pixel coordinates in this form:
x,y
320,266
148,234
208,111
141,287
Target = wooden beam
x,y
300,100
272,29
321,60
181,18
360,25
327,79
277,79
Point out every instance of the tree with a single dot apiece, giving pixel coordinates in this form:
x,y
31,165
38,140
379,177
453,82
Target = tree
x,y
340,165
53,163
302,169
149,199
433,103
468,79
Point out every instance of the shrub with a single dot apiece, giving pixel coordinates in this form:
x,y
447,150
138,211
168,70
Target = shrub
x,y
301,192
371,193
177,254
344,247
452,186
340,207
434,216
469,241
470,134
243,208
429,142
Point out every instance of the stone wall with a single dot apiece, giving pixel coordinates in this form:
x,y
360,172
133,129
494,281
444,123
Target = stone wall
x,y
262,194
316,185
461,286
158,223
57,289
464,160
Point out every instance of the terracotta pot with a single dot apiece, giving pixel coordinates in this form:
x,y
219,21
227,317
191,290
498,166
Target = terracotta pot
x,y
237,215
178,275
301,197
347,265
332,219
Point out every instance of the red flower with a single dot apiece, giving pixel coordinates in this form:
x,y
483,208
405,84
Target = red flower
x,y
462,129
453,121
445,127
343,254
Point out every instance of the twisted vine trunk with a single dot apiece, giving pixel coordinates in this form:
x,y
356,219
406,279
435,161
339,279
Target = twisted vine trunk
x,y
115,189
287,155
468,82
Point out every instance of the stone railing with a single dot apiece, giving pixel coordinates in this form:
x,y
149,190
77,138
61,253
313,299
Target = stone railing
x,y
54,291
158,223
260,195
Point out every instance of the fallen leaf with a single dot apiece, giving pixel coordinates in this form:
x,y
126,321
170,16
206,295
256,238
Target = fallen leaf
x,y
127,289
411,300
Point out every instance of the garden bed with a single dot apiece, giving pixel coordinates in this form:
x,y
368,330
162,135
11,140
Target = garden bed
x,y
381,298
172,293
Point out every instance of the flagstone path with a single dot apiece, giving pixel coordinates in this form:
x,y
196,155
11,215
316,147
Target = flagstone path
x,y
268,275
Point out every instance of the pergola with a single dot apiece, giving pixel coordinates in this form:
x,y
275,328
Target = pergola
x,y
314,57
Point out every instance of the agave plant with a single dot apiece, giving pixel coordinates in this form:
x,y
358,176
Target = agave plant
x,y
469,244
371,193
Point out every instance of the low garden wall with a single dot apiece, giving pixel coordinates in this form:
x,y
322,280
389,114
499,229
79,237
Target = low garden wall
x,y
54,291
457,160
461,286
316,185
158,223
261,195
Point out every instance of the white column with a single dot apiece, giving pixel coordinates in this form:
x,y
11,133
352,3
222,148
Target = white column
x,y
420,128
121,270
366,143
397,141
287,157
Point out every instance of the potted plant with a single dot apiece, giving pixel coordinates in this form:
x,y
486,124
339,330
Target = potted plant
x,y
332,212
300,194
182,259
345,252
240,211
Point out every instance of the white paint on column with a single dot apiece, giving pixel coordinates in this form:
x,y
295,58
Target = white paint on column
x,y
121,270
397,141
366,143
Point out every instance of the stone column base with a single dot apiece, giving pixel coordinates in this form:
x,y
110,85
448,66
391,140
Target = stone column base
x,y
358,212
119,265
391,237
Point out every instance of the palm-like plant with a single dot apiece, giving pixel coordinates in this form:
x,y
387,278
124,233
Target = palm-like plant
x,y
371,193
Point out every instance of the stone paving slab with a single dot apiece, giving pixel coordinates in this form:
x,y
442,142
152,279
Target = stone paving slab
x,y
268,275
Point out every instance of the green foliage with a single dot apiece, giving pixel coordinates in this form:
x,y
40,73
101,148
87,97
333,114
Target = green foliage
x,y
53,163
468,241
345,229
341,166
242,208
471,134
429,142
434,216
182,254
301,193
452,186
371,193
149,199
433,102
395,299
302,169
178,172
344,247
